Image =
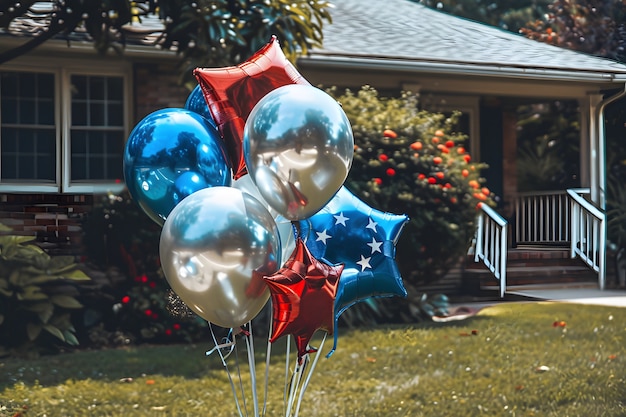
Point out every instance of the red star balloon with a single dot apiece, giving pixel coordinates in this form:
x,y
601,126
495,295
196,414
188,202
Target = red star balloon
x,y
303,296
232,92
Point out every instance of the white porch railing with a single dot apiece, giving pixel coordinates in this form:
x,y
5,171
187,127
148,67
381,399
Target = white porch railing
x,y
544,218
588,228
491,243
541,218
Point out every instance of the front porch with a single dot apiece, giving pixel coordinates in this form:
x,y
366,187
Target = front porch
x,y
555,237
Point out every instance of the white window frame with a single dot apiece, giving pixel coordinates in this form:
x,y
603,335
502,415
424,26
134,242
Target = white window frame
x,y
63,70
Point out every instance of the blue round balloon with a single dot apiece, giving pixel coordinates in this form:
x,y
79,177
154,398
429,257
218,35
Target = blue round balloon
x,y
170,154
196,103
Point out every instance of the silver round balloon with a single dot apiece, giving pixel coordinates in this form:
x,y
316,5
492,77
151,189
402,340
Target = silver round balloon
x,y
285,228
298,147
216,246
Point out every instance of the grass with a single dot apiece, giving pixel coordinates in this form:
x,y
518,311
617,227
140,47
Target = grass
x,y
512,359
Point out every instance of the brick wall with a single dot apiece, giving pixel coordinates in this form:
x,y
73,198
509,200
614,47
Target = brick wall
x,y
54,219
157,87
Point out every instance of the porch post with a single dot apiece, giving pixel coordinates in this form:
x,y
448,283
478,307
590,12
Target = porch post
x,y
593,165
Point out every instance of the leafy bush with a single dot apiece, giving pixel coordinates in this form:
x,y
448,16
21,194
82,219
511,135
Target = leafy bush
x,y
410,161
122,240
37,293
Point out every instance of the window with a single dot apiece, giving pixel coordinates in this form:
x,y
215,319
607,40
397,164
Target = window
x,y
62,129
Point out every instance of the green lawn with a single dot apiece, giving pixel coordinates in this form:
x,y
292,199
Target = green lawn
x,y
513,359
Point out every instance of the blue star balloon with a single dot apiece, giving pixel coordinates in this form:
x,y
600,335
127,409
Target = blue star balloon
x,y
348,231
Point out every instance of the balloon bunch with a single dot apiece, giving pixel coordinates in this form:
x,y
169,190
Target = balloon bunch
x,y
247,184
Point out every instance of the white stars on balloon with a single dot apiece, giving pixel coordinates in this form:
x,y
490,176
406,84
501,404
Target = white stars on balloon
x,y
341,219
371,225
322,236
364,263
375,245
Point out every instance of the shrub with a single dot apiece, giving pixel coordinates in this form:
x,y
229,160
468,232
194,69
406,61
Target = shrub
x,y
410,161
37,295
120,238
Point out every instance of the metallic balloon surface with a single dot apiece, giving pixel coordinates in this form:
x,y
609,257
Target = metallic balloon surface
x,y
170,154
285,228
215,248
232,92
303,295
197,104
349,231
298,147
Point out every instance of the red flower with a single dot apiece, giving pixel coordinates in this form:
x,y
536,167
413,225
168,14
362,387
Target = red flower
x,y
431,180
168,332
148,312
421,176
125,299
383,157
391,172
439,133
450,144
144,278
176,326
465,173
388,133
440,175
460,150
467,158
437,160
416,146
378,181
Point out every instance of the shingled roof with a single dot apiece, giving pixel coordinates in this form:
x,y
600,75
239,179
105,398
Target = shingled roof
x,y
398,33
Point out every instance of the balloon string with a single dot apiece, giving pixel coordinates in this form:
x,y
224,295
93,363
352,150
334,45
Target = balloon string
x,y
252,366
287,349
309,374
243,397
295,382
267,367
223,358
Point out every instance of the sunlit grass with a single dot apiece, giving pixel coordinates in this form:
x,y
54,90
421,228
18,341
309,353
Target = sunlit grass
x,y
534,359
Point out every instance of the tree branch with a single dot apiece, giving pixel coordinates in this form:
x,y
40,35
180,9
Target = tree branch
x,y
29,45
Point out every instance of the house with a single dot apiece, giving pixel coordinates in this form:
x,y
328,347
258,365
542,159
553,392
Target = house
x,y
57,97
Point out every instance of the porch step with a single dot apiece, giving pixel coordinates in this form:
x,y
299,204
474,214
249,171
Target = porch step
x,y
535,266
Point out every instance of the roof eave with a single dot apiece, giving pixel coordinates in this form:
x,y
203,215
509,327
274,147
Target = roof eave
x,y
87,48
460,68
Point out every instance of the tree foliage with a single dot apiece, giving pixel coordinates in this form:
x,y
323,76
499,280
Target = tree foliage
x,y
507,14
592,26
203,32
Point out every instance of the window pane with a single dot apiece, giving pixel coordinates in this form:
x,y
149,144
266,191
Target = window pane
x,y
45,86
79,114
9,140
79,87
9,110
97,142
9,167
96,114
9,84
27,111
116,114
27,84
45,112
79,168
115,88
